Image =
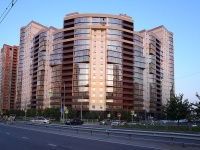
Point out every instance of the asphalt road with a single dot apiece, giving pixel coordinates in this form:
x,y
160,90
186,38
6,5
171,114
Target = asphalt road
x,y
12,138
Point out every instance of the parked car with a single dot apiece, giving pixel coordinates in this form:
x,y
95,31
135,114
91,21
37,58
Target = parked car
x,y
40,120
105,122
118,123
74,122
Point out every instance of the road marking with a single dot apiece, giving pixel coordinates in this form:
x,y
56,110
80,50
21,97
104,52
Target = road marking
x,y
24,137
7,133
52,145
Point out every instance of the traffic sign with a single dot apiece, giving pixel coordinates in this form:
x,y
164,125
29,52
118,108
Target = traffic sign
x,y
132,112
50,93
108,115
66,111
61,110
119,115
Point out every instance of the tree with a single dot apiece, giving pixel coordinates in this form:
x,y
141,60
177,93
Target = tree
x,y
125,115
177,108
70,114
197,107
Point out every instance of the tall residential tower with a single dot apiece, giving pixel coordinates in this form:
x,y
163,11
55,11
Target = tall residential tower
x,y
24,79
8,71
99,59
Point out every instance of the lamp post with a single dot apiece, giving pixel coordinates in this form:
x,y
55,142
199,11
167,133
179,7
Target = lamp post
x,y
64,100
25,110
62,114
128,107
82,102
61,109
82,106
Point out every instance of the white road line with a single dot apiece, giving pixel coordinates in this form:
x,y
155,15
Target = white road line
x,y
52,145
24,137
102,140
7,133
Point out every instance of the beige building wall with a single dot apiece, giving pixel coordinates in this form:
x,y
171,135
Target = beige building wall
x,y
48,69
30,30
146,94
168,61
98,66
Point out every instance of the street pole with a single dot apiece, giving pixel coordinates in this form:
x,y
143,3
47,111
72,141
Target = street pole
x,y
25,110
64,101
61,102
82,107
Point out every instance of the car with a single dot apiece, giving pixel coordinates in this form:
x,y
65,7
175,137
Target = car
x,y
74,122
40,120
118,123
105,122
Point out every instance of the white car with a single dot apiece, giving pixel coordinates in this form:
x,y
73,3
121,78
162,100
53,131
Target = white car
x,y
40,120
118,123
115,123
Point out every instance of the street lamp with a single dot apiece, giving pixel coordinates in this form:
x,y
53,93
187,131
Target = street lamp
x,y
64,100
25,110
82,106
61,104
82,102
128,107
62,114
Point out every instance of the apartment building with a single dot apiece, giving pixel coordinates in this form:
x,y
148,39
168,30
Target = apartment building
x,y
167,44
98,58
97,62
159,72
8,71
24,78
42,47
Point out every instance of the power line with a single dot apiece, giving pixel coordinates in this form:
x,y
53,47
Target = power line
x,y
188,75
5,10
13,3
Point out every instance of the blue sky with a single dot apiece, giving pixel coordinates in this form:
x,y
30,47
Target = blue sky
x,y
182,17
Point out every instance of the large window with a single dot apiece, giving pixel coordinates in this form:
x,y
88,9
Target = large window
x,y
82,21
114,33
114,22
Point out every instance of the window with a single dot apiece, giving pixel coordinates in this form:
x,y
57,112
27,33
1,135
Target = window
x,y
101,89
94,36
93,106
93,95
102,36
101,95
93,89
94,42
